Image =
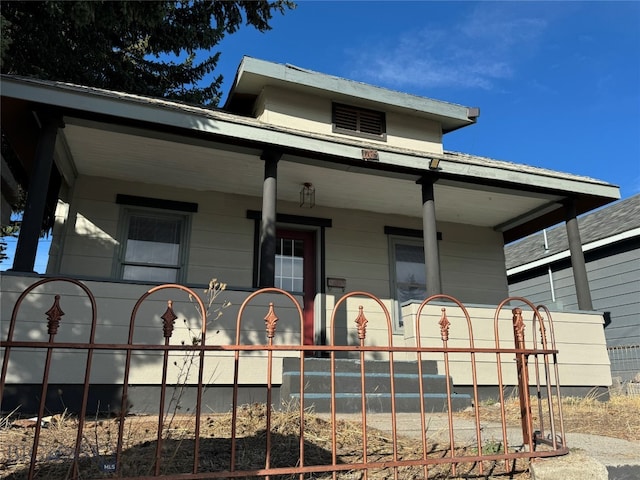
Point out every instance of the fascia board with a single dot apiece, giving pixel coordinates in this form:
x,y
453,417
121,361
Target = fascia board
x,y
481,172
344,87
534,179
201,120
603,242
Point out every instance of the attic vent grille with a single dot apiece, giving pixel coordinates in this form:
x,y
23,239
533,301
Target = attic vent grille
x,y
359,121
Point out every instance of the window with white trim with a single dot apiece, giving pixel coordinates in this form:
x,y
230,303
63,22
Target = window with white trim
x,y
153,246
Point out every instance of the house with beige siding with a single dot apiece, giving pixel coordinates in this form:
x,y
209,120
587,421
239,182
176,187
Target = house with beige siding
x,y
314,184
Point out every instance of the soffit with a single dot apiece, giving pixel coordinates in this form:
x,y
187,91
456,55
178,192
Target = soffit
x,y
123,156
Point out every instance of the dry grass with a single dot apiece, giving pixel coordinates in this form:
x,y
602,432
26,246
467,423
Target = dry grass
x,y
140,440
619,417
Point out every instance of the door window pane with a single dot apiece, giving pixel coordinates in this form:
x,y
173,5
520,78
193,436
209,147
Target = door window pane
x,y
289,264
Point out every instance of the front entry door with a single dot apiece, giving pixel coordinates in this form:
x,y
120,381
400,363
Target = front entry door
x,y
296,272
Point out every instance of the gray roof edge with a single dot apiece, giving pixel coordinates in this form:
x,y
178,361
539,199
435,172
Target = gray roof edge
x,y
112,95
330,83
163,111
561,254
615,221
467,158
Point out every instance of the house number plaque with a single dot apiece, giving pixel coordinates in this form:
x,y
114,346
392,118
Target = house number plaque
x,y
370,155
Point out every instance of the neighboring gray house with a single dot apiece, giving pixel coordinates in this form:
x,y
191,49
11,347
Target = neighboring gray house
x,y
539,268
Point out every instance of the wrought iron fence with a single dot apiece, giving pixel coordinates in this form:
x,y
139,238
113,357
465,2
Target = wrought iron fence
x,y
101,447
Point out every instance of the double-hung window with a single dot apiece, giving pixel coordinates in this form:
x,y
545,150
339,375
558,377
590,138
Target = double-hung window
x,y
408,274
153,246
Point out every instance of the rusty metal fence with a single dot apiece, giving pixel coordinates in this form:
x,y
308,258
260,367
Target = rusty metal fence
x,y
530,350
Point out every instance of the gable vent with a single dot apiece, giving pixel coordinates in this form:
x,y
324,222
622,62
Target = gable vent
x,y
359,121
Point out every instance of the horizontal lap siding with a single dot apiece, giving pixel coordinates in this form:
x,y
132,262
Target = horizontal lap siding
x,y
472,264
534,289
279,106
582,357
615,287
221,237
357,250
580,338
115,303
472,260
614,282
222,240
90,242
415,133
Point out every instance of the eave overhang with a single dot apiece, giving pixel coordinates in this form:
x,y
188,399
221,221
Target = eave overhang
x,y
254,74
157,118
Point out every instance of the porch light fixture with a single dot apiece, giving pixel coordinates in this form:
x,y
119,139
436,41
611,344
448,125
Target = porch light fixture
x,y
434,163
307,195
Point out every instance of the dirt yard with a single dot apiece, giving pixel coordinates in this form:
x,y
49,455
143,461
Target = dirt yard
x,y
618,417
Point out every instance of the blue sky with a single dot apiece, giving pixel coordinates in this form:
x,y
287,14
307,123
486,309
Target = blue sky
x,y
557,83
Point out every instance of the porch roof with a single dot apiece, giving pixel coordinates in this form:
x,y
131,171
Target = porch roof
x,y
131,137
614,223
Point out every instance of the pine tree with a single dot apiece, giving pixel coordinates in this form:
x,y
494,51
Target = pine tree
x,y
141,47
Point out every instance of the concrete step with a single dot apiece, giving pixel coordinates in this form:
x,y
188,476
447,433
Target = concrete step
x,y
317,386
381,402
349,382
353,365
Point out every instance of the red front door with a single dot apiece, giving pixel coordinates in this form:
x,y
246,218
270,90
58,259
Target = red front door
x,y
296,271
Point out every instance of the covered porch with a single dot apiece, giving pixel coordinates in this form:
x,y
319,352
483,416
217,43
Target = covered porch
x,y
84,148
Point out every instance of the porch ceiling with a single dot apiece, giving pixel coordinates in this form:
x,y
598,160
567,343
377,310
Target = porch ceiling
x,y
201,166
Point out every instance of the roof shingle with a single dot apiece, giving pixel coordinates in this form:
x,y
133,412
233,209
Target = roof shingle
x,y
613,219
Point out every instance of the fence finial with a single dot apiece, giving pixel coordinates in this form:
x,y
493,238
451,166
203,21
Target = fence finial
x,y
444,325
518,325
361,322
54,315
270,321
168,319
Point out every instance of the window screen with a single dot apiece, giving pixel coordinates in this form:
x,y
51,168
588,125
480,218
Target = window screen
x,y
152,248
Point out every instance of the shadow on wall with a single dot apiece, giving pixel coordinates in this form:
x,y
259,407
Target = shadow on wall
x,y
25,370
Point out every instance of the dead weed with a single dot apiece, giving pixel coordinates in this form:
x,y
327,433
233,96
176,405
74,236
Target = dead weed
x,y
618,417
140,440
